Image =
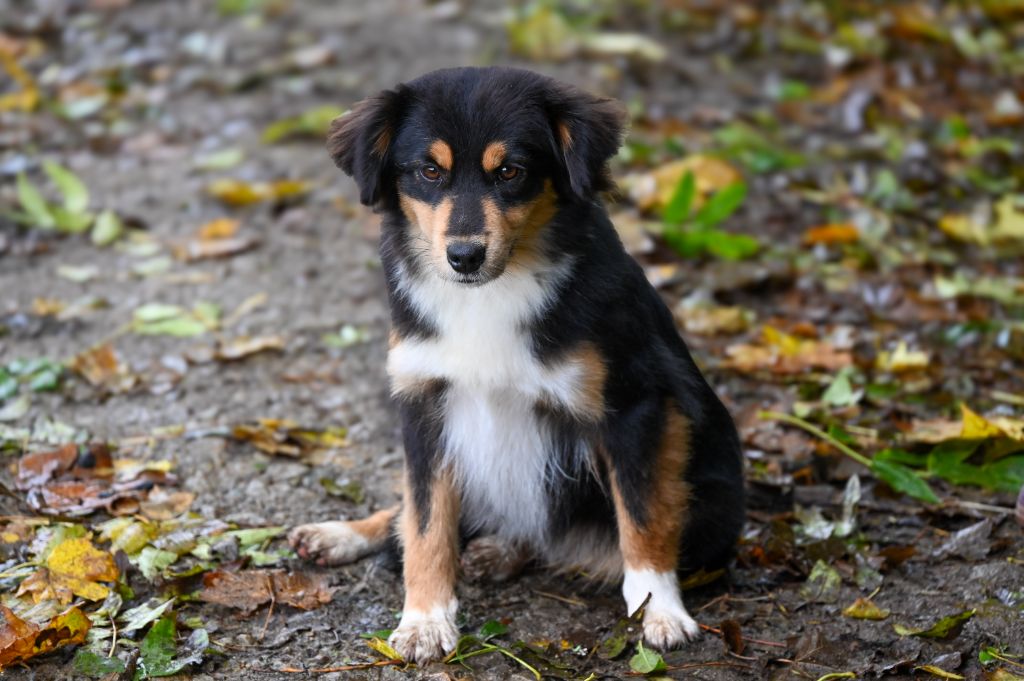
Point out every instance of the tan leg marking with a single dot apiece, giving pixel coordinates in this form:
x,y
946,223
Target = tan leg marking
x,y
441,152
650,551
494,156
339,542
427,630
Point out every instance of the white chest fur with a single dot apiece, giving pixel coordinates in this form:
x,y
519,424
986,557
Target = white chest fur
x,y
494,442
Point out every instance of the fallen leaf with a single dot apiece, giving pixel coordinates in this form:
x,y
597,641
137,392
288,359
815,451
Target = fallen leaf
x,y
831,234
21,640
245,346
286,438
79,566
937,671
783,353
248,589
865,609
239,193
946,628
902,359
102,368
1006,225
652,191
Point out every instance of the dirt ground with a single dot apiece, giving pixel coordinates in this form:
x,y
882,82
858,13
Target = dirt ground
x,y
214,80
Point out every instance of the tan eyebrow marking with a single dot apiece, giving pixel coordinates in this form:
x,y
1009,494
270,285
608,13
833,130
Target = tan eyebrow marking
x,y
442,154
494,154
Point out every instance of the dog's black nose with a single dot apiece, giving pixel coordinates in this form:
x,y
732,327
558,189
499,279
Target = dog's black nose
x,y
466,258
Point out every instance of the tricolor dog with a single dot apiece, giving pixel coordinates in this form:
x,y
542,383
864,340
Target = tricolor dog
x,y
550,411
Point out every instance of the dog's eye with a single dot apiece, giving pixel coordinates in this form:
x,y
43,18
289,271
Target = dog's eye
x,y
430,173
508,173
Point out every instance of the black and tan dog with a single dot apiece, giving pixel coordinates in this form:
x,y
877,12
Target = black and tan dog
x,y
549,408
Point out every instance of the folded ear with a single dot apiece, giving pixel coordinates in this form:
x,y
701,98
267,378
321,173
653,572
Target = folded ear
x,y
360,142
587,132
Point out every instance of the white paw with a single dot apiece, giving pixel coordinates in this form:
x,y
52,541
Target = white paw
x,y
422,637
667,629
666,622
330,543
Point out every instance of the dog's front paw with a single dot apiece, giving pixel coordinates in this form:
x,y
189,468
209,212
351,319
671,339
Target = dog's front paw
x,y
667,629
422,637
330,543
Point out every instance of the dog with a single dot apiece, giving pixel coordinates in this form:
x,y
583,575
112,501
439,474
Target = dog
x,y
550,410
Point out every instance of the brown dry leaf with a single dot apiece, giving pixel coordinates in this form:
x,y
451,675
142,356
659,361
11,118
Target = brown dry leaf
x,y
706,318
783,353
21,640
41,467
199,249
971,426
249,589
653,190
164,505
102,368
831,234
239,348
286,438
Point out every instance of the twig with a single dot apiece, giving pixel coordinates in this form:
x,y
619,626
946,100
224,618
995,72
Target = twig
x,y
113,638
774,644
977,506
814,430
343,668
270,610
696,665
556,597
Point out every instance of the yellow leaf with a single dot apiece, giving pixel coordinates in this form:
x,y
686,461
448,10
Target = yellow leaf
x,y
382,647
221,228
78,565
1007,225
239,193
28,98
976,426
901,359
865,609
938,671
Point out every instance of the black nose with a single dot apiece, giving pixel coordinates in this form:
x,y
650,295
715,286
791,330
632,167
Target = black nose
x,y
466,258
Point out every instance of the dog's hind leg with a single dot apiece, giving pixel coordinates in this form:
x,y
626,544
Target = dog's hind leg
x,y
493,559
343,541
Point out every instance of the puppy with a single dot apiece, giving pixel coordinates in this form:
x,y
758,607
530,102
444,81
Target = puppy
x,y
550,410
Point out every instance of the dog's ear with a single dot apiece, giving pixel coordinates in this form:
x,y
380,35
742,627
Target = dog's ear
x,y
587,131
360,142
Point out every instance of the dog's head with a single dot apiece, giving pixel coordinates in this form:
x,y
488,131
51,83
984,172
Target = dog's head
x,y
478,161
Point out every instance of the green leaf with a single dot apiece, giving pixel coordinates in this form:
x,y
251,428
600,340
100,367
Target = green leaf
x,y
945,628
158,650
720,206
491,629
154,312
180,327
153,561
687,243
646,661
678,208
107,229
45,379
33,204
840,392
903,479
352,490
731,246
70,222
138,617
88,663
903,457
255,536
76,196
